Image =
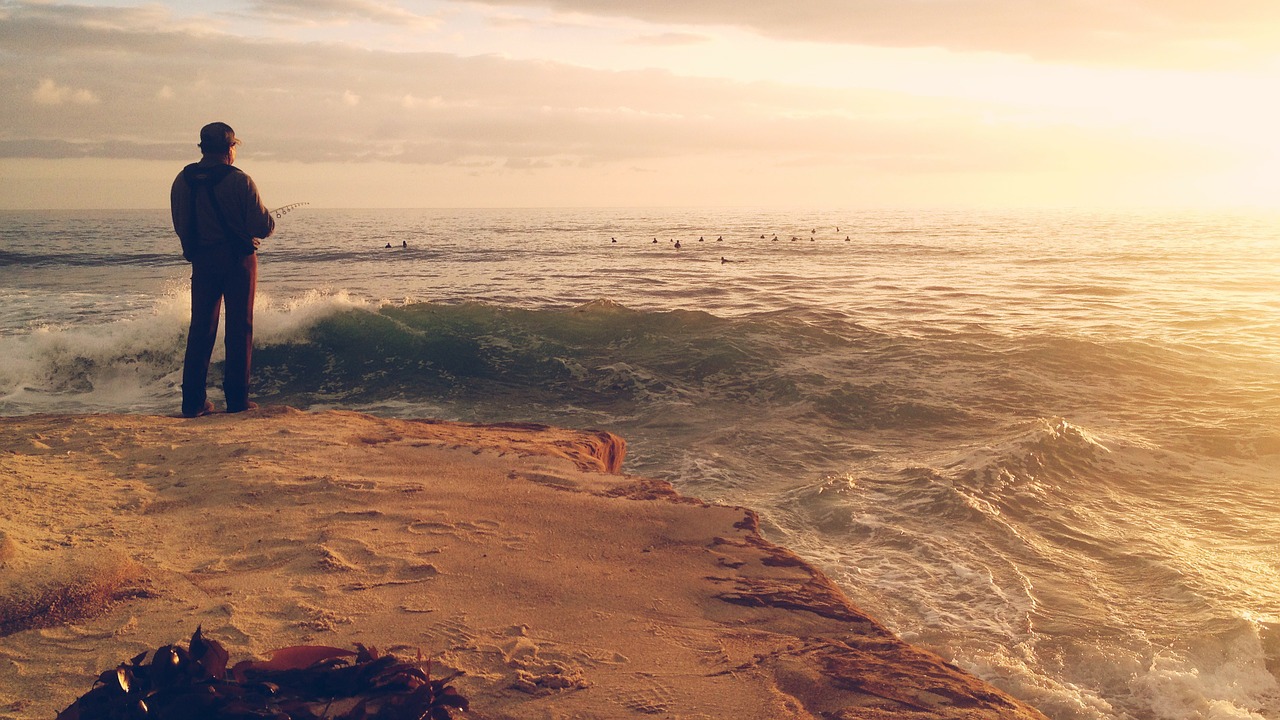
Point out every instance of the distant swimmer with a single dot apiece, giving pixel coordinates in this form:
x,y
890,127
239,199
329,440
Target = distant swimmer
x,y
388,244
404,243
837,228
655,241
699,238
677,244
613,239
722,260
814,231
720,238
762,237
846,238
793,238
775,238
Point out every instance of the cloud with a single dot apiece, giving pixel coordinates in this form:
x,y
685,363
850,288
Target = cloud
x,y
670,39
342,11
308,105
436,102
51,93
517,163
114,149
146,18
1149,32
441,109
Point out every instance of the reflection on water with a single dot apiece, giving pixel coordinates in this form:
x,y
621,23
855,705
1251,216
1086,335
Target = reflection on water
x,y
1044,445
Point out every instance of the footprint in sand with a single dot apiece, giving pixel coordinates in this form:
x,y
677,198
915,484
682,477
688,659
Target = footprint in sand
x,y
265,555
451,634
356,514
308,484
416,571
432,527
653,698
558,482
372,566
444,526
312,617
525,641
349,555
710,651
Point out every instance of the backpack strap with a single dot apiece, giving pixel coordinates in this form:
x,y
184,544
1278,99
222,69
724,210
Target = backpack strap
x,y
205,178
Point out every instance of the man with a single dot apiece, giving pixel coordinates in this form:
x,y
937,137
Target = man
x,y
220,219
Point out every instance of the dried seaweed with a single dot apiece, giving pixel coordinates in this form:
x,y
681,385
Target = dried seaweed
x,y
303,682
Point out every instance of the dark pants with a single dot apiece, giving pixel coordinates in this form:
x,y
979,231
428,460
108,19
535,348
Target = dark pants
x,y
218,276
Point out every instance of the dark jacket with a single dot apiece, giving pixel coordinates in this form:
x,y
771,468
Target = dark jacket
x,y
246,219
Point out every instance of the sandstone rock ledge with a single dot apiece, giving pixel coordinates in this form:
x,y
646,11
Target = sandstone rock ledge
x,y
513,553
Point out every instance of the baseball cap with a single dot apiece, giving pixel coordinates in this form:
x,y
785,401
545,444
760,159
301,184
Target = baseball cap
x,y
217,137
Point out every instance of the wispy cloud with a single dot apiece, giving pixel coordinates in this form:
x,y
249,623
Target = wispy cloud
x,y
1147,32
49,92
670,39
342,11
137,83
334,102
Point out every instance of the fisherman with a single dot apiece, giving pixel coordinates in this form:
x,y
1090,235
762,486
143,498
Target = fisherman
x,y
220,219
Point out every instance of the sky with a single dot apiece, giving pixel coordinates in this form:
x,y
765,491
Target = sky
x,y
590,103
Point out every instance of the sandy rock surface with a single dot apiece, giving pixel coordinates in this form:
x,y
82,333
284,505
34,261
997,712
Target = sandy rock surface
x,y
515,554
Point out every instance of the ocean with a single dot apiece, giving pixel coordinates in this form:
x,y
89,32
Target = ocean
x,y
1045,445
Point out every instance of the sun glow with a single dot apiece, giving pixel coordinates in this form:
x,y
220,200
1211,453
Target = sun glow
x,y
523,104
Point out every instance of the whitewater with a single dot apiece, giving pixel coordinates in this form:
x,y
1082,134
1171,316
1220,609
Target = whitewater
x,y
1045,445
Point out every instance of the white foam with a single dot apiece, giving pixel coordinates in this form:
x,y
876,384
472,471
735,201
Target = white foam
x,y
1011,669
104,366
1173,687
1223,679
277,322
135,363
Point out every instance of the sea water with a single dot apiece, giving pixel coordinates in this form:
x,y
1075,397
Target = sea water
x,y
1045,445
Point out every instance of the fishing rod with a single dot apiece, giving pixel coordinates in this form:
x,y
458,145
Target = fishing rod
x,y
284,210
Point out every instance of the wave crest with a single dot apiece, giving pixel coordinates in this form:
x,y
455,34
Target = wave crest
x,y
135,363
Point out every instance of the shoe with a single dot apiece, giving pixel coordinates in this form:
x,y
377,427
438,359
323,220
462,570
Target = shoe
x,y
251,405
208,408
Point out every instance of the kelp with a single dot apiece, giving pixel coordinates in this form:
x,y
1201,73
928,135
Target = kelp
x,y
303,682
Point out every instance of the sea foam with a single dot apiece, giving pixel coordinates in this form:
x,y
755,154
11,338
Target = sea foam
x,y
134,363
